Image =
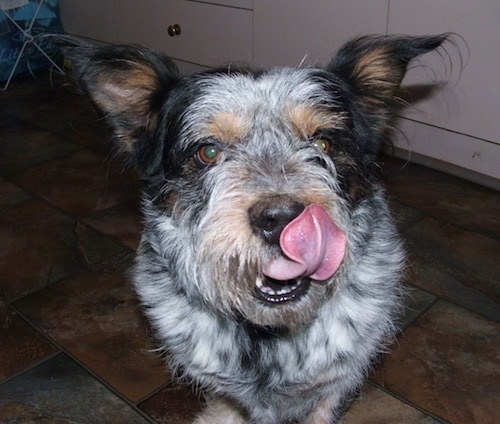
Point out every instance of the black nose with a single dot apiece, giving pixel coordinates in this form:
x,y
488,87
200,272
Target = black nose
x,y
269,216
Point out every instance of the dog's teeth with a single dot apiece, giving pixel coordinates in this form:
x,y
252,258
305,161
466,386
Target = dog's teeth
x,y
264,288
284,290
259,283
268,290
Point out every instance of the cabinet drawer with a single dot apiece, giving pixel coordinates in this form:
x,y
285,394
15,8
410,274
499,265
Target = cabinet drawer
x,y
210,34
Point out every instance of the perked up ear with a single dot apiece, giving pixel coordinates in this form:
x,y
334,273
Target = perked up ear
x,y
127,83
374,66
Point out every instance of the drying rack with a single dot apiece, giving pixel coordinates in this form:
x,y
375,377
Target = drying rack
x,y
6,6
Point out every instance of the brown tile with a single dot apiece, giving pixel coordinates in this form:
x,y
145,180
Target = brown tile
x,y
81,184
58,391
56,117
22,413
24,95
41,246
62,110
22,346
117,264
10,194
85,127
376,406
25,145
447,363
57,108
454,263
430,277
416,302
446,197
404,216
173,405
47,103
122,222
95,317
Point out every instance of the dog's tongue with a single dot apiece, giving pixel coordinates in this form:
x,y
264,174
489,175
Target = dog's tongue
x,y
313,247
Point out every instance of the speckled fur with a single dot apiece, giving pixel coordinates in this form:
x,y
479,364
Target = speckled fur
x,y
199,258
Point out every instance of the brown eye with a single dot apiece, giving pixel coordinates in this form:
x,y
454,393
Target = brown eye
x,y
322,144
208,154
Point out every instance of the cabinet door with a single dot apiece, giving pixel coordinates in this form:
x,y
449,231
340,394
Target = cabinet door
x,y
91,18
210,34
289,32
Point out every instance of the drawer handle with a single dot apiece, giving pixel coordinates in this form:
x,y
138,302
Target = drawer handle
x,y
174,30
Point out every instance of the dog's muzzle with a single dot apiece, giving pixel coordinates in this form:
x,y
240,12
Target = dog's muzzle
x,y
311,247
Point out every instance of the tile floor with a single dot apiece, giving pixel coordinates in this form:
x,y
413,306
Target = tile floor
x,y
75,349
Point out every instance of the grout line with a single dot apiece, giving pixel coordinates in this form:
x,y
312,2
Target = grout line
x,y
81,220
32,366
407,402
422,312
170,383
62,350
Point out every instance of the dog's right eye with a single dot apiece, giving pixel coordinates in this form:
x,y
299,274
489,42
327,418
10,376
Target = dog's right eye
x,y
208,154
322,144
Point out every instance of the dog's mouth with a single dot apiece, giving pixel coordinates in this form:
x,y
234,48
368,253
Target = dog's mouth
x,y
276,291
312,248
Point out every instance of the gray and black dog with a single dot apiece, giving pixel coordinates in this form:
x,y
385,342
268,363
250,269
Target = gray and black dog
x,y
269,265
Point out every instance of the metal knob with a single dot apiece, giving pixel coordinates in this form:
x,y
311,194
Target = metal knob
x,y
174,30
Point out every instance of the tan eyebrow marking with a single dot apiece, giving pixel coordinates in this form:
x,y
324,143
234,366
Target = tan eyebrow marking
x,y
307,120
228,127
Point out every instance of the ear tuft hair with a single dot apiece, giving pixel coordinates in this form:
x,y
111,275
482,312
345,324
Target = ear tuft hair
x,y
375,65
127,83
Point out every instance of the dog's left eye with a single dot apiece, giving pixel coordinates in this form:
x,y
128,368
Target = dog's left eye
x,y
322,144
208,154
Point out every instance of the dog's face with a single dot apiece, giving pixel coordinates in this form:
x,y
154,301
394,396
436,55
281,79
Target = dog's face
x,y
250,175
252,179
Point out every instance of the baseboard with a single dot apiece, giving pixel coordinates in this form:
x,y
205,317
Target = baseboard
x,y
448,168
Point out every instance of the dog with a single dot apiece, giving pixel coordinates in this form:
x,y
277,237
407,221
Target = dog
x,y
269,265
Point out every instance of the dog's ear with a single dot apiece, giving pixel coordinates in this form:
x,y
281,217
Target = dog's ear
x,y
374,66
127,83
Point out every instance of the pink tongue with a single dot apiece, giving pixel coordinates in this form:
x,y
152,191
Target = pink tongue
x,y
313,245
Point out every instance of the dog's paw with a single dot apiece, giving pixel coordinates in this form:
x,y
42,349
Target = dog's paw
x,y
219,412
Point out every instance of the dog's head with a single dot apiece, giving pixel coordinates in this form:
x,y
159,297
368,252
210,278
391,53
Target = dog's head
x,y
252,179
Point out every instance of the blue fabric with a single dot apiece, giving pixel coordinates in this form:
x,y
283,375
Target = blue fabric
x,y
12,38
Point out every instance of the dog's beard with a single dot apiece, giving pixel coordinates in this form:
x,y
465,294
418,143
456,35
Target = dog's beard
x,y
233,286
230,260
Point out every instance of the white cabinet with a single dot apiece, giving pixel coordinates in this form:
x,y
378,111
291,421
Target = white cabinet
x,y
458,126
291,32
462,119
206,34
92,18
210,33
